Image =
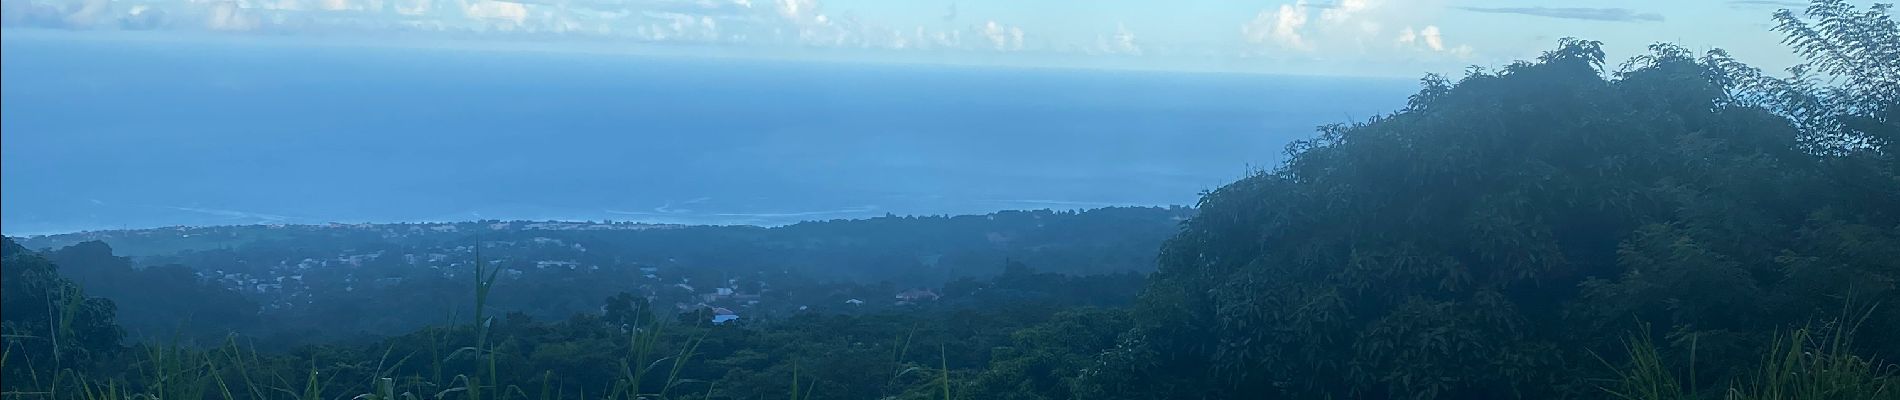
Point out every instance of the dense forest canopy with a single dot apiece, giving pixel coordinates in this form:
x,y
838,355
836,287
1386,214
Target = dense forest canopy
x,y
1677,226
1483,241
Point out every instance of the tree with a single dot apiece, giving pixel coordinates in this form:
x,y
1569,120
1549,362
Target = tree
x,y
1859,50
161,302
48,322
1480,242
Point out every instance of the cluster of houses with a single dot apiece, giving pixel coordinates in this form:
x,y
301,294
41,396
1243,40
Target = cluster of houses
x,y
724,301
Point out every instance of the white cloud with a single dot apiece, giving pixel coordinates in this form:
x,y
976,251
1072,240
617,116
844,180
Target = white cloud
x,y
1433,39
88,14
1003,37
507,11
1429,37
794,9
762,23
1121,43
411,7
1344,11
679,26
227,16
1347,27
1282,27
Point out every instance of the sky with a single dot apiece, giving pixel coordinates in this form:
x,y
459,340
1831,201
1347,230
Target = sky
x,y
1384,38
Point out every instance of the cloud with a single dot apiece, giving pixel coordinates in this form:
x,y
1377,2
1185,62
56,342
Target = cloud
x,y
716,9
495,10
1121,43
1429,37
797,9
1344,26
679,26
1282,26
802,23
1344,10
1003,37
1367,30
90,12
1591,14
1766,3
227,16
406,7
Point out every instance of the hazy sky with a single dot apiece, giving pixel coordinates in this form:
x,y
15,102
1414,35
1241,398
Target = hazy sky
x,y
1330,37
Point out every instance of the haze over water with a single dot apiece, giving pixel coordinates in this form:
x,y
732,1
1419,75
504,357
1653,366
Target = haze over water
x,y
103,134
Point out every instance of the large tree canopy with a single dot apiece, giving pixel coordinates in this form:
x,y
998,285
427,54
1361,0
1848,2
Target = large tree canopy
x,y
1481,242
57,325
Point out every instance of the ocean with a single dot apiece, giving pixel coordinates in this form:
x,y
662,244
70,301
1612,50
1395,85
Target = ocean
x,y
109,134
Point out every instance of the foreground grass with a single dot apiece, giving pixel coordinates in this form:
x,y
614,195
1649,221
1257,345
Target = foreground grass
x,y
1805,364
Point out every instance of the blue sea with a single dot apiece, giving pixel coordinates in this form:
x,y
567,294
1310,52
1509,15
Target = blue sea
x,y
101,133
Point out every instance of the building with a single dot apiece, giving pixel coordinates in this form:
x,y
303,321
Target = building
x,y
722,316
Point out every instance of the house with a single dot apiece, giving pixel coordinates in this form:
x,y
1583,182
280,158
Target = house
x,y
722,315
913,296
557,264
854,302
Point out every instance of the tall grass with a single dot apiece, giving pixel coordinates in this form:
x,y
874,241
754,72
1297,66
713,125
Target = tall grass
x,y
1800,365
798,394
943,359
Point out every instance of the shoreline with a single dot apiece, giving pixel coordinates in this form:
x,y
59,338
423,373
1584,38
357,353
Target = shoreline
x,y
584,224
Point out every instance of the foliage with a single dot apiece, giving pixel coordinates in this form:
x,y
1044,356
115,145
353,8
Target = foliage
x,y
156,302
1479,242
1798,365
285,285
633,349
49,325
1493,239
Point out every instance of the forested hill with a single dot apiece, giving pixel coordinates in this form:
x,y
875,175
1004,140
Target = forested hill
x,y
1501,234
323,279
